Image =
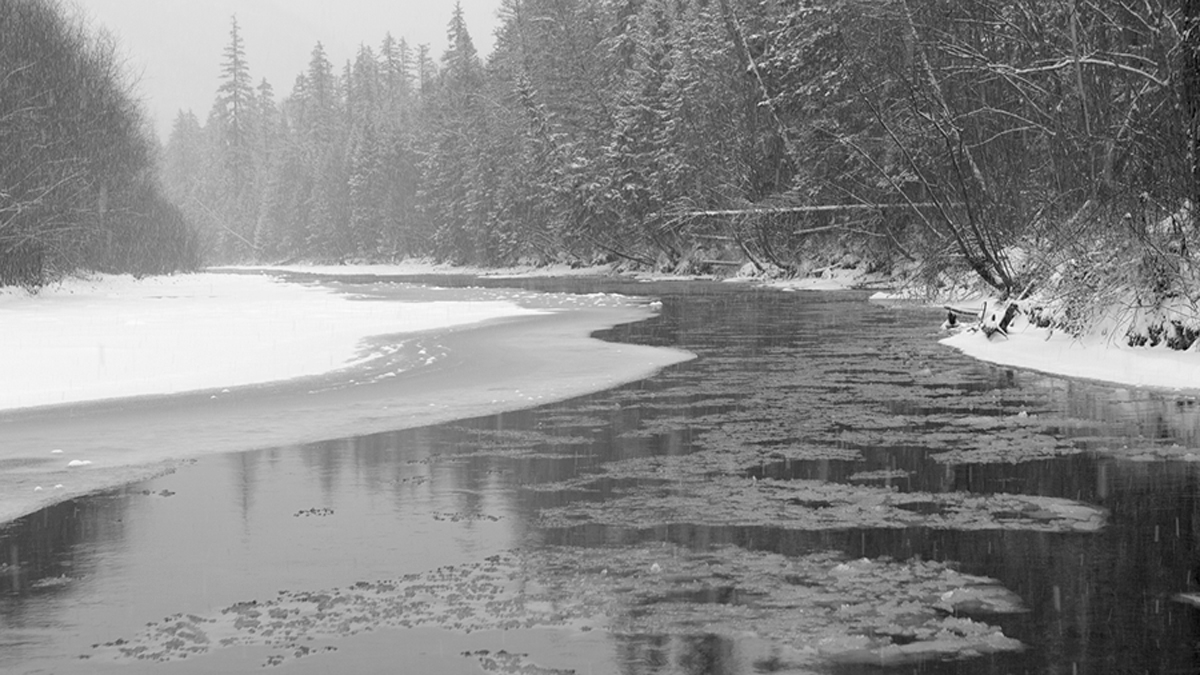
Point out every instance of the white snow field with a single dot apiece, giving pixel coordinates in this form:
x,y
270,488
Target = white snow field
x,y
114,336
427,267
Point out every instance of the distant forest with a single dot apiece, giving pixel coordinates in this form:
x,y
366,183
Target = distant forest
x,y
1022,142
79,182
683,133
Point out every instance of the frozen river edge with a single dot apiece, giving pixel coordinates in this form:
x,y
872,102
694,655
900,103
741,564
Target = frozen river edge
x,y
502,361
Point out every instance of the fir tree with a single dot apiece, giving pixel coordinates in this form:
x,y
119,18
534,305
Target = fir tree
x,y
235,95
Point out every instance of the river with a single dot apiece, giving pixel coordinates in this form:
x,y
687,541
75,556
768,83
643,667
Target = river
x,y
823,489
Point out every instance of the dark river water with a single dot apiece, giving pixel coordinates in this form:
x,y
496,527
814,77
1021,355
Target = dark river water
x,y
824,489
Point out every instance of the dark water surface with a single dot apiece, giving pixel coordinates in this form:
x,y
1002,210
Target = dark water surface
x,y
808,495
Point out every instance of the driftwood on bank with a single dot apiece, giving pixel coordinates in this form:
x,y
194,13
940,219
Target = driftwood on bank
x,y
739,227
675,220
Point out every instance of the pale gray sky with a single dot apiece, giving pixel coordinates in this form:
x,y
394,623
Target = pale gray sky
x,y
174,47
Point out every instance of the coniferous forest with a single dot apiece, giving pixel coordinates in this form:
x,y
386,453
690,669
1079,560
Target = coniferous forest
x,y
680,134
1022,142
79,187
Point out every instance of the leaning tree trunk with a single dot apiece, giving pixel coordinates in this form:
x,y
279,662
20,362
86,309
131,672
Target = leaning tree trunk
x,y
1190,97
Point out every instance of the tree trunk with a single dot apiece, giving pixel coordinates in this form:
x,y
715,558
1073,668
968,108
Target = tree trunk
x,y
1190,96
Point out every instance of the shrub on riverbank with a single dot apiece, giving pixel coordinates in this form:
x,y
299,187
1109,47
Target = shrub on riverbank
x,y
1129,277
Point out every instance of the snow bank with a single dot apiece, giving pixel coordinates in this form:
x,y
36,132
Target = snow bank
x,y
1096,357
113,336
426,267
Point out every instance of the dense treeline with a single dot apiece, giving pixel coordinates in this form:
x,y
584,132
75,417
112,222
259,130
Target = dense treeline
x,y
678,132
78,181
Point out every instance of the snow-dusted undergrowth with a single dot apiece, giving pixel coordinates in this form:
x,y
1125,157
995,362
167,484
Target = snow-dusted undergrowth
x,y
1129,319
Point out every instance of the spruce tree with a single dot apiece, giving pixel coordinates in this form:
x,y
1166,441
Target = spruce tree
x,y
232,197
455,182
235,95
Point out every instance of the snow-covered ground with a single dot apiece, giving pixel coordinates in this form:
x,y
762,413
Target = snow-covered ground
x,y
1096,357
113,336
831,279
426,267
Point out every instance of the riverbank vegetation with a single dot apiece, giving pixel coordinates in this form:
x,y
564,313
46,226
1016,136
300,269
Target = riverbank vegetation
x,y
78,181
1028,144
1047,151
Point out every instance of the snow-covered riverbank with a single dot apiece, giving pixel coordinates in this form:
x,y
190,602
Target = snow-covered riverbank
x,y
113,336
1095,358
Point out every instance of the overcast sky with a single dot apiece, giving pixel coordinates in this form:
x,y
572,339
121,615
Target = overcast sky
x,y
173,47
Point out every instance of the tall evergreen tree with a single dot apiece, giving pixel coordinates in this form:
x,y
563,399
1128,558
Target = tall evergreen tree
x,y
231,197
455,195
396,70
426,71
320,98
235,95
638,157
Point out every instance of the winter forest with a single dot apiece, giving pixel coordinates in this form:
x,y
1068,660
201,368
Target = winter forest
x,y
1028,144
78,167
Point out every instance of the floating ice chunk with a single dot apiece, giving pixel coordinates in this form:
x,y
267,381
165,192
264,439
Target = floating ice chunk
x,y
37,489
78,462
851,567
56,451
1187,598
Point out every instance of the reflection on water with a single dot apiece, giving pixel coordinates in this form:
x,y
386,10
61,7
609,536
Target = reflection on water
x,y
824,388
